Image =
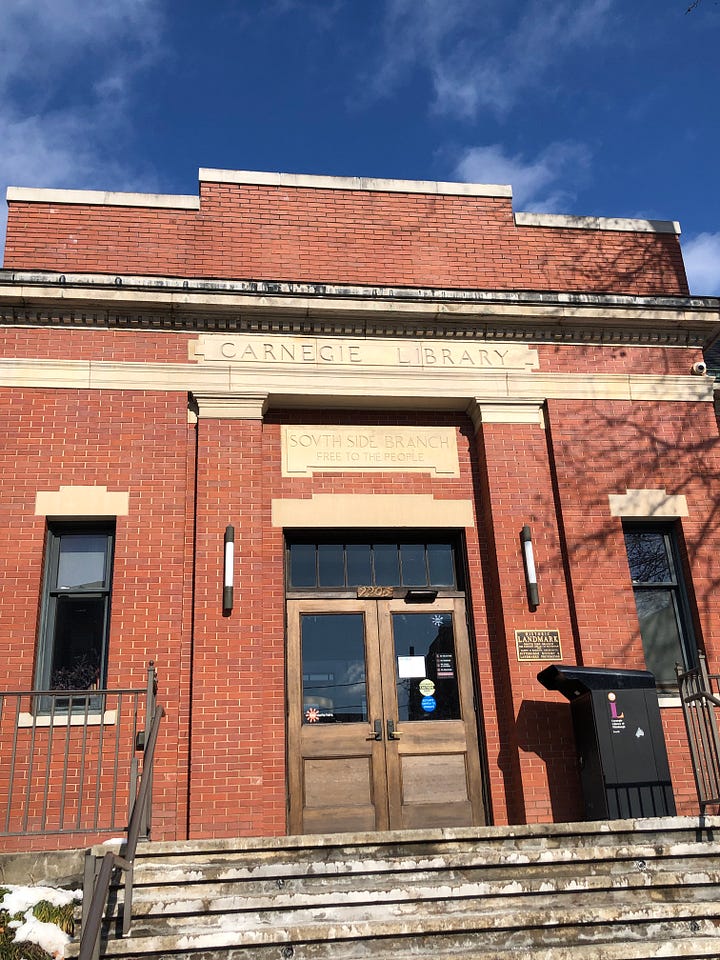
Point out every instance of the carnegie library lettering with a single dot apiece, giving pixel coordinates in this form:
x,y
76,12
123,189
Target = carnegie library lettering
x,y
370,353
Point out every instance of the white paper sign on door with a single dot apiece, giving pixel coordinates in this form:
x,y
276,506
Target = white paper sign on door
x,y
409,667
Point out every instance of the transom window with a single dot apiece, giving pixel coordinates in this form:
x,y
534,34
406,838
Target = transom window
x,y
371,561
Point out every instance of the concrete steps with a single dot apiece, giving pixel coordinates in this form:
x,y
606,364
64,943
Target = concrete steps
x,y
628,889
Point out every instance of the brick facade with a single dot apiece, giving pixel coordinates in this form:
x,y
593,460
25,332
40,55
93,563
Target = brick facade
x,y
100,387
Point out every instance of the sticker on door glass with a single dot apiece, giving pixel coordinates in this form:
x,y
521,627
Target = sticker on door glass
x,y
428,704
411,667
426,687
444,666
315,715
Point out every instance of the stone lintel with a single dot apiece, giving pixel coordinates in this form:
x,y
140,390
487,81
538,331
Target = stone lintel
x,y
646,504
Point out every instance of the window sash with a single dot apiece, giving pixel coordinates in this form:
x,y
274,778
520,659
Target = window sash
x,y
662,605
75,620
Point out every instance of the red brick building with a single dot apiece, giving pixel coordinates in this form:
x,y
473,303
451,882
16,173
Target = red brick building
x,y
378,385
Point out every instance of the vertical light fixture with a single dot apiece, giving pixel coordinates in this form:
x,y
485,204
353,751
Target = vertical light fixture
x,y
229,576
529,565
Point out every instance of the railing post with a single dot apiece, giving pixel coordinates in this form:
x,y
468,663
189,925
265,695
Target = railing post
x,y
699,705
146,822
127,900
89,874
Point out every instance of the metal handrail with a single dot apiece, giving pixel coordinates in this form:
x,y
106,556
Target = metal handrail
x,y
100,882
699,710
62,751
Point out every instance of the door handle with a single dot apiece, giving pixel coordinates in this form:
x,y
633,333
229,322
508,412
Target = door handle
x,y
392,733
377,731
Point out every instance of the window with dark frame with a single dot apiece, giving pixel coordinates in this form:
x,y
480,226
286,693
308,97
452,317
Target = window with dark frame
x,y
342,564
75,613
661,600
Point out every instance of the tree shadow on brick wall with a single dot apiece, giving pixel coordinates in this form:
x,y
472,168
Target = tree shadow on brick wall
x,y
619,446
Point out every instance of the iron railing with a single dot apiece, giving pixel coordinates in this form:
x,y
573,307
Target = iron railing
x,y
99,871
70,758
700,696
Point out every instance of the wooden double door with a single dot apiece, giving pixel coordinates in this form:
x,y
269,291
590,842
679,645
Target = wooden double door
x,y
382,732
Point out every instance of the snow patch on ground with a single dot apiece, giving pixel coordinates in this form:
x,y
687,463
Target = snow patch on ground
x,y
46,935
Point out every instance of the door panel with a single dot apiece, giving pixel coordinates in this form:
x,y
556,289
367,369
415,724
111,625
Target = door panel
x,y
337,779
433,768
385,736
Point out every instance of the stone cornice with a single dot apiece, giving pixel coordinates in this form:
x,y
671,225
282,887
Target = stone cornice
x,y
130,302
449,389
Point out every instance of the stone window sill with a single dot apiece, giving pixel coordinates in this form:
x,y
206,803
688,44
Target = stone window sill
x,y
96,719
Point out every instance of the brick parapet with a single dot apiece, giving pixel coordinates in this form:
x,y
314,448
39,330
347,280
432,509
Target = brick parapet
x,y
282,232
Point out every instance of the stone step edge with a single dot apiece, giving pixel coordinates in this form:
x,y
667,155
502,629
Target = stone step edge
x,y
674,949
698,824
187,897
541,856
581,918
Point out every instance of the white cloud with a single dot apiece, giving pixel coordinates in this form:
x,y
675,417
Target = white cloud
x,y
702,264
66,73
481,54
547,182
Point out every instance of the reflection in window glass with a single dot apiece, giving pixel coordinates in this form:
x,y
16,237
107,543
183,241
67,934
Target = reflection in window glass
x,y
331,572
79,635
82,561
359,565
412,558
440,565
426,673
333,667
648,557
387,568
302,565
660,634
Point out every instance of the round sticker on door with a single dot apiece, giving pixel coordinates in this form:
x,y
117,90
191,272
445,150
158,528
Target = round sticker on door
x,y
428,704
427,688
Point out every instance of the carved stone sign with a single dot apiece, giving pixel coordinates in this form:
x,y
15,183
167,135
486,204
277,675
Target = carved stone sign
x,y
311,449
276,350
538,645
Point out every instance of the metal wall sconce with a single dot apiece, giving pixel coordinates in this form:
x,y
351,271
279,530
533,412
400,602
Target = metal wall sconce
x,y
420,596
229,571
529,565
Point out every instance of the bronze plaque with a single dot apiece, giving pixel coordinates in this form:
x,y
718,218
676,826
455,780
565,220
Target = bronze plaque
x,y
374,593
538,644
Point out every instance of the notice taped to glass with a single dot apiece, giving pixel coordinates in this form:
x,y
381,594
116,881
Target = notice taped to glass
x,y
538,644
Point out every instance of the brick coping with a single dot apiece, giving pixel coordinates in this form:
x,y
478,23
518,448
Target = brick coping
x,y
316,182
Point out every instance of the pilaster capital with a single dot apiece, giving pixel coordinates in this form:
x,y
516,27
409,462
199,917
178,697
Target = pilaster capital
x,y
506,411
230,406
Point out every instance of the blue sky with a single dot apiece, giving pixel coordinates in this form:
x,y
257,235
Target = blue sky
x,y
590,107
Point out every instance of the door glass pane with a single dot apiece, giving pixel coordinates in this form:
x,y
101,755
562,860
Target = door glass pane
x,y
333,667
331,572
302,565
82,561
425,667
412,558
359,566
440,564
660,634
387,568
